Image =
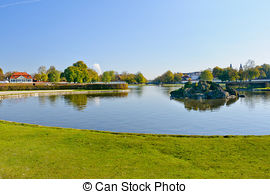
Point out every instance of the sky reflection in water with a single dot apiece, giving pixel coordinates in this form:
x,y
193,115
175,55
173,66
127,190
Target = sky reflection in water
x,y
144,110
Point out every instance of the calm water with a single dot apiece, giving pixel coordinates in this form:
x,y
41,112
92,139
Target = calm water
x,y
145,109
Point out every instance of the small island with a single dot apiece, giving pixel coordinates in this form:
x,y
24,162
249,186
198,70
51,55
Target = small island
x,y
204,90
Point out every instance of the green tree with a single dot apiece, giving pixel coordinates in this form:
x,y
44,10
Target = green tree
x,y
2,76
80,64
157,80
78,73
93,75
131,79
8,74
241,74
53,74
37,77
167,77
266,69
128,77
140,79
217,71
70,74
229,74
106,76
233,74
252,73
44,77
177,77
206,75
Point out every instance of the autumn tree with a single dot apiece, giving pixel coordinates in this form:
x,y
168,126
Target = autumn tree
x,y
217,71
206,75
2,76
140,79
177,77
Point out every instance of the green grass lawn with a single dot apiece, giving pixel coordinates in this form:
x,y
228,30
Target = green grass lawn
x,y
31,151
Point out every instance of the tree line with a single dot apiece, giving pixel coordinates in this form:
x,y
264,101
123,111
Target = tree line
x,y
79,72
168,77
247,72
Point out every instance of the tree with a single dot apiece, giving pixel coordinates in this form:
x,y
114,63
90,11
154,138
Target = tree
x,y
106,76
2,76
78,73
70,74
140,79
206,75
37,77
131,79
42,70
177,77
80,64
44,77
252,73
217,71
229,74
167,77
127,77
232,74
264,71
53,74
241,74
8,74
93,75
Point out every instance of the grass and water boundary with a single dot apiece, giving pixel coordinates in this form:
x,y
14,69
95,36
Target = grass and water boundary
x,y
32,151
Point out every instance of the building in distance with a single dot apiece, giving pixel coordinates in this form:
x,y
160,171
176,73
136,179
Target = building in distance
x,y
20,77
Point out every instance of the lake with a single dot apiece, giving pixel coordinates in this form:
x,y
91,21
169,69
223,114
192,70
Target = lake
x,y
145,109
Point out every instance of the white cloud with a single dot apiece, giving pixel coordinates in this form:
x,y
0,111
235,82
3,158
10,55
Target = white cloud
x,y
18,3
97,68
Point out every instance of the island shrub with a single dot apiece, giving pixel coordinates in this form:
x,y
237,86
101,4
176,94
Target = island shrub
x,y
188,84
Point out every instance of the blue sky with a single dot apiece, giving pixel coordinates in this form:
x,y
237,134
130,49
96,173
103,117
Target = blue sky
x,y
150,36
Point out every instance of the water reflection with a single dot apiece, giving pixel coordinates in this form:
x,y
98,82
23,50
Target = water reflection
x,y
138,90
145,109
253,98
205,105
80,101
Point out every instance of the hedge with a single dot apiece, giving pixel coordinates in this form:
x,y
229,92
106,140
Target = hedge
x,y
50,86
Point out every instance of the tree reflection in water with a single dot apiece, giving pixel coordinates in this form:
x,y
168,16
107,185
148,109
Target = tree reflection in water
x,y
205,105
80,101
253,98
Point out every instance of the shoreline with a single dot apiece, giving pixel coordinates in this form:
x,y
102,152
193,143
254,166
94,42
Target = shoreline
x,y
131,134
56,92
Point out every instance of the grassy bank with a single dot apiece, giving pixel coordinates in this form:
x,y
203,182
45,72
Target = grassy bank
x,y
30,151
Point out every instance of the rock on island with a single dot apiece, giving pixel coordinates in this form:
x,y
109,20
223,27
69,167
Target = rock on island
x,y
204,90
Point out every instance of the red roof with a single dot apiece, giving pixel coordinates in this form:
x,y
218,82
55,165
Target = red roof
x,y
19,74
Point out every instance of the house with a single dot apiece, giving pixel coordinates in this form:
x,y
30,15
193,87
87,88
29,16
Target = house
x,y
192,76
20,77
